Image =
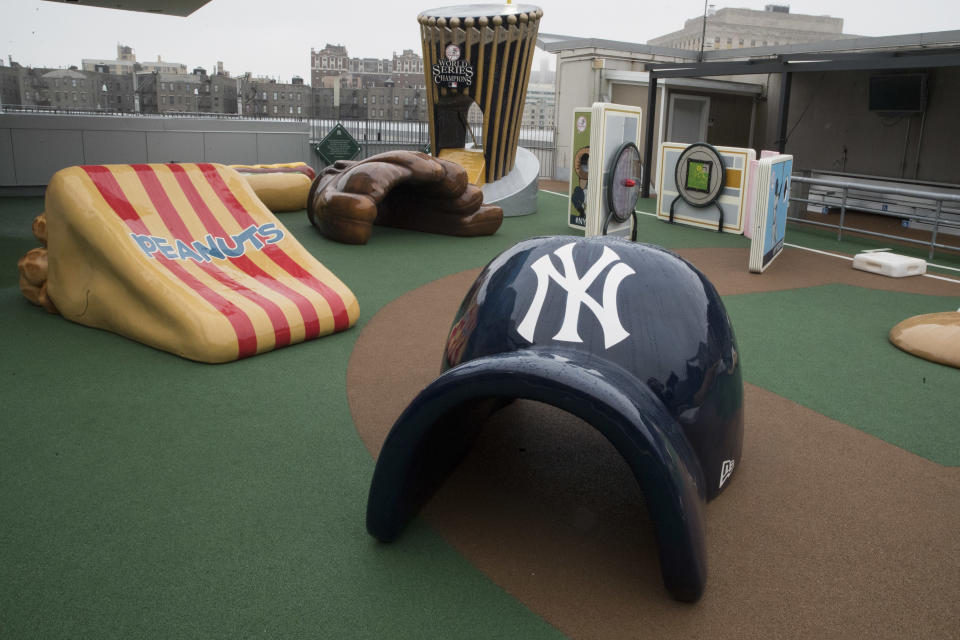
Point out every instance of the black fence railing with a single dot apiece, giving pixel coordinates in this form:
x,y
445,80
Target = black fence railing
x,y
376,136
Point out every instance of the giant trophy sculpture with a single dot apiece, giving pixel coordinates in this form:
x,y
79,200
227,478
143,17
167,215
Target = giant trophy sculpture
x,y
478,54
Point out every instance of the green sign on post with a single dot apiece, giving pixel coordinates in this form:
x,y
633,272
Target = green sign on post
x,y
337,145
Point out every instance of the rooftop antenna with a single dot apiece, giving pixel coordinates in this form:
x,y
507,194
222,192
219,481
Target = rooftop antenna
x,y
703,32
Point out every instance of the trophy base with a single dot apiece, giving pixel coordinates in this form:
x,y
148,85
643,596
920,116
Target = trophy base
x,y
471,160
516,192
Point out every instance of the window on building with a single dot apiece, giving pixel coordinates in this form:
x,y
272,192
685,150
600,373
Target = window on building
x,y
274,95
381,113
299,110
264,95
396,99
364,99
729,43
274,108
283,96
81,82
299,96
373,99
74,82
753,43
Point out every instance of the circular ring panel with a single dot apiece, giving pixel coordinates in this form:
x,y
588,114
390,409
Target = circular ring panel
x,y
700,175
581,161
625,177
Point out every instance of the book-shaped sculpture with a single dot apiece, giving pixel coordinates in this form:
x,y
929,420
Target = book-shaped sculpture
x,y
703,186
770,204
282,187
181,257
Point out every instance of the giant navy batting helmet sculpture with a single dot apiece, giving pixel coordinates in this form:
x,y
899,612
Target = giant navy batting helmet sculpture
x,y
629,337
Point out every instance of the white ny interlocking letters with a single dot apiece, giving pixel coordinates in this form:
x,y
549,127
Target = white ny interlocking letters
x,y
576,288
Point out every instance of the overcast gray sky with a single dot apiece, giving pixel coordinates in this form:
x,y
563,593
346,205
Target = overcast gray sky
x,y
274,37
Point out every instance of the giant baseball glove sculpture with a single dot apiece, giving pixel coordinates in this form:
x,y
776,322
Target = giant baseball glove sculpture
x,y
404,189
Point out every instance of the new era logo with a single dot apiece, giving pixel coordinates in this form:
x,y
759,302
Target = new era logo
x,y
726,470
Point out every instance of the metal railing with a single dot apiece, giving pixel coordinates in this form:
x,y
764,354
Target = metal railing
x,y
924,207
86,111
376,136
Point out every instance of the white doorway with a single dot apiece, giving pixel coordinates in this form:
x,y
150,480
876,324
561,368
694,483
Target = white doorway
x,y
688,117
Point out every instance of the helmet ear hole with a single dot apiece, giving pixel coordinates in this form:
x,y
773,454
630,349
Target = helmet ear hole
x,y
436,431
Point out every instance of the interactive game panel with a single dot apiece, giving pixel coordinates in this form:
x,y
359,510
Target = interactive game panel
x,y
697,182
611,127
770,205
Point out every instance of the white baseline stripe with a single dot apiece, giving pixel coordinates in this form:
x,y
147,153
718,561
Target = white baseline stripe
x,y
837,255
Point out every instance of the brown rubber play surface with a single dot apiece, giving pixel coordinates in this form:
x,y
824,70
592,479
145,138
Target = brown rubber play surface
x,y
826,532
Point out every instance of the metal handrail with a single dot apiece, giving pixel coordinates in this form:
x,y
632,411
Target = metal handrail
x,y
936,199
859,186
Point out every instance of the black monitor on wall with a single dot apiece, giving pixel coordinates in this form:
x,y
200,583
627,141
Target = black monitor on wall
x,y
898,93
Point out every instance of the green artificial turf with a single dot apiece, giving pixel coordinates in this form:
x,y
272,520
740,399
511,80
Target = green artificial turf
x,y
826,348
143,495
16,234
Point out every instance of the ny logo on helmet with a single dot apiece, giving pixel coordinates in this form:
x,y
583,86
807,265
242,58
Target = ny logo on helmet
x,y
576,288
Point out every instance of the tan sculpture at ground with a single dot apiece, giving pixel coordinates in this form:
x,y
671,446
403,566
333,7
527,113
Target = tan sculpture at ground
x,y
404,189
931,336
33,268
